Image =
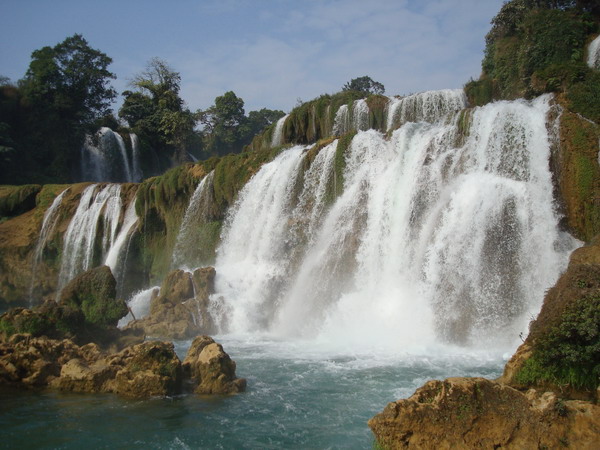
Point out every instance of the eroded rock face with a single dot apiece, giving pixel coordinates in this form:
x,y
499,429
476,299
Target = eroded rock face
x,y
143,370
466,413
211,370
180,311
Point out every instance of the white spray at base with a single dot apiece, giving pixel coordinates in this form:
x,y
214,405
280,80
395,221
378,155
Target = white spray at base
x,y
437,238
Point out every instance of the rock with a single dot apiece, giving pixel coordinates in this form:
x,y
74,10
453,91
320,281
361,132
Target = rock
x,y
143,370
94,293
465,413
180,311
211,370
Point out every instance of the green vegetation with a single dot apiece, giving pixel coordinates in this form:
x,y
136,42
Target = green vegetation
x,y
538,46
365,85
568,354
64,94
15,200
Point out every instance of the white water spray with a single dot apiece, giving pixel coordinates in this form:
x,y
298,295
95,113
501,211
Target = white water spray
x,y
277,138
429,242
593,58
430,106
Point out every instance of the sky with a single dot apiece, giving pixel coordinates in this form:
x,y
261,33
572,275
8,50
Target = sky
x,y
271,53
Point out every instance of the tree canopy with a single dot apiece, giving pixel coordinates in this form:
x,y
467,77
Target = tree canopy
x,y
364,84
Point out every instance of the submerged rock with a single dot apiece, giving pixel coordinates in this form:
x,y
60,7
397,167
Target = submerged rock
x,y
466,413
180,311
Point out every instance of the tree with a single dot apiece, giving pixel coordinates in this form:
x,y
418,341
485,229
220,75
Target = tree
x,y
223,124
70,79
364,84
155,111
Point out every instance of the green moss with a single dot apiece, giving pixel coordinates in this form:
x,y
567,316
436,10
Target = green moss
x,y
15,200
479,92
569,353
584,96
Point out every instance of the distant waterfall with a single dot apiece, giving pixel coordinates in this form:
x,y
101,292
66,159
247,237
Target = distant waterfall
x,y
277,138
190,236
593,58
430,106
104,157
100,209
429,242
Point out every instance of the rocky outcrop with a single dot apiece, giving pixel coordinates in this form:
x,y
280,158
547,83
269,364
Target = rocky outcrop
x,y
466,413
87,311
144,370
211,370
547,396
180,311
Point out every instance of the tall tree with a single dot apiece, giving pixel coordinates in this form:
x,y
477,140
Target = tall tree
x,y
71,79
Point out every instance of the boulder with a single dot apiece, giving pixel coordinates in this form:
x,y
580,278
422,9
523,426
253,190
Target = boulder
x,y
465,413
210,370
94,293
180,310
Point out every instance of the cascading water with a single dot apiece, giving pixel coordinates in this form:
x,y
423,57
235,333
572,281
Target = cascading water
x,y
136,170
429,242
104,158
341,123
197,214
277,138
48,224
430,106
360,115
99,207
593,58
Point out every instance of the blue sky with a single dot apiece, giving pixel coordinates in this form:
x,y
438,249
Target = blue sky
x,y
269,52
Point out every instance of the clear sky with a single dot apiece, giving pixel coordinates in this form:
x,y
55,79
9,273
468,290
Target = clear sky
x,y
269,52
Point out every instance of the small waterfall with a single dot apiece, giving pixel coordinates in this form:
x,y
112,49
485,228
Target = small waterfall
x,y
99,208
593,58
430,106
360,115
429,242
49,223
104,158
116,258
341,123
139,303
137,174
190,236
277,138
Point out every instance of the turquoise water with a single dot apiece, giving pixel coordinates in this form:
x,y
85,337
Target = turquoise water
x,y
299,396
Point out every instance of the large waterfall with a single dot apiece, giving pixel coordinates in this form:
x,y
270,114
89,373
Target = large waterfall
x,y
445,232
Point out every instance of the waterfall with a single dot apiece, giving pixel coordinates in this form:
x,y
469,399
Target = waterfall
x,y
190,236
48,225
104,158
137,174
593,59
277,138
341,123
429,242
430,106
139,303
116,257
99,208
360,115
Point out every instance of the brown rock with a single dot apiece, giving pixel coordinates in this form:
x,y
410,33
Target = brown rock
x,y
465,413
180,311
210,369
